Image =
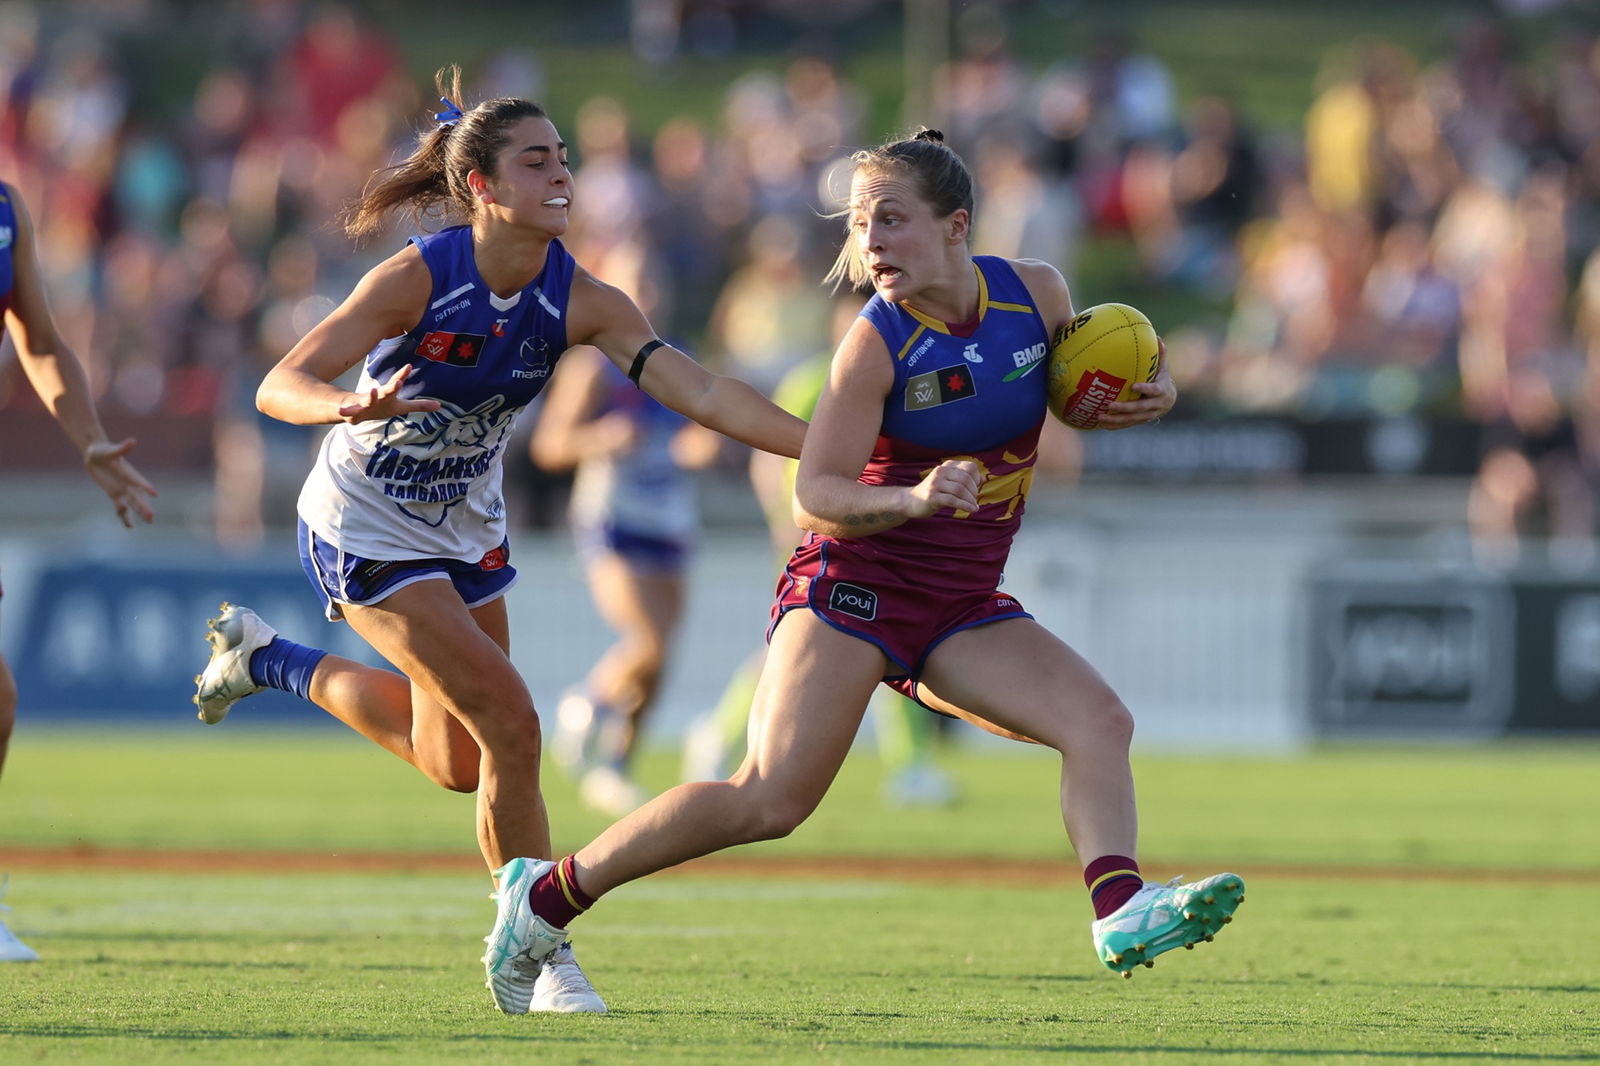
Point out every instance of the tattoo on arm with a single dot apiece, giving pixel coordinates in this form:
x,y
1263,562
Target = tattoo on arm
x,y
869,518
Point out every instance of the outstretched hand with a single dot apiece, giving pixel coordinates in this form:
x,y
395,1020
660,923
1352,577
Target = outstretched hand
x,y
1156,398
953,483
384,401
107,463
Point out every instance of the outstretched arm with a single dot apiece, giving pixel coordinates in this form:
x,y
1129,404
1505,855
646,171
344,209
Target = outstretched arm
x,y
607,318
55,373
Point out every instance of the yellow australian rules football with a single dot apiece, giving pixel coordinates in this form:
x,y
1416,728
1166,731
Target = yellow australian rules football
x,y
1095,358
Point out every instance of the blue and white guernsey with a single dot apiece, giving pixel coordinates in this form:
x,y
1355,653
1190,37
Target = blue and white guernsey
x,y
427,485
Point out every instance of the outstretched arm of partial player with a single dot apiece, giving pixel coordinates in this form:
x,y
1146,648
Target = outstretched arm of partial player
x,y
385,303
607,318
55,373
829,497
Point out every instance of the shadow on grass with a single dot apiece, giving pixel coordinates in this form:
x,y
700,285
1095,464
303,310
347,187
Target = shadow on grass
x,y
589,1035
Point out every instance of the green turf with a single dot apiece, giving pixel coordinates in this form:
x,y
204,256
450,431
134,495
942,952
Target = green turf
x,y
341,968
1509,805
344,967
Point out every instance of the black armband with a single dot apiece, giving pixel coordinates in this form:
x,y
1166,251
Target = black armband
x,y
637,368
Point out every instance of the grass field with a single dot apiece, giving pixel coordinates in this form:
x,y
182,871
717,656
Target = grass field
x,y
243,896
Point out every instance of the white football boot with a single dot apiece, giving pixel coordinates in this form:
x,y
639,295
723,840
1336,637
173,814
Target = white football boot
x,y
520,939
705,752
562,987
577,721
14,950
235,635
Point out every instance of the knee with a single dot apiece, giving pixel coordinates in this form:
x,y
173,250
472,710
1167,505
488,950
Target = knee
x,y
1112,721
505,722
1100,722
515,730
770,816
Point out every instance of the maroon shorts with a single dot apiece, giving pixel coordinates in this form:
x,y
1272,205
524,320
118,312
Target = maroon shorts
x,y
884,602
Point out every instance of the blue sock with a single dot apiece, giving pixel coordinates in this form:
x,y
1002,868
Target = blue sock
x,y
285,665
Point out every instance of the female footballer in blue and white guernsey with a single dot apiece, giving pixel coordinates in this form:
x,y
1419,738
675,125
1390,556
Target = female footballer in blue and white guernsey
x,y
402,525
913,482
55,373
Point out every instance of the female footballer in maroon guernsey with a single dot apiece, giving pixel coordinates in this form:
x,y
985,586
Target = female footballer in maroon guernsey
x,y
912,482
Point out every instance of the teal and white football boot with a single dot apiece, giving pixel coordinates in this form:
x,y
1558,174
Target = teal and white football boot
x,y
520,939
1161,917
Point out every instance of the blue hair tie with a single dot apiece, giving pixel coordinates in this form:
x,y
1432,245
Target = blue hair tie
x,y
450,115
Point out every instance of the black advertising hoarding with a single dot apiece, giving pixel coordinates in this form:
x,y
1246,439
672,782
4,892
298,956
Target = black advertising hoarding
x,y
1403,649
1397,649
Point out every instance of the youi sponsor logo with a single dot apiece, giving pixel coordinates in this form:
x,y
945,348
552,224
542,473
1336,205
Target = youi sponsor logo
x,y
854,600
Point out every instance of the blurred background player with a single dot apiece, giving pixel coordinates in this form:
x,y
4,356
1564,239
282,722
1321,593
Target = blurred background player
x,y
55,373
402,521
634,517
905,732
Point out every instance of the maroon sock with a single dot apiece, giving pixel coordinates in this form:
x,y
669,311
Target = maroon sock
x,y
556,897
1112,881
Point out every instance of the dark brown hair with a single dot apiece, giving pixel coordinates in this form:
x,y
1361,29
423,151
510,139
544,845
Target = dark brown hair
x,y
435,175
938,174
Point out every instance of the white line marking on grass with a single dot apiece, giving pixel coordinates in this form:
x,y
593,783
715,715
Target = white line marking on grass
x,y
701,891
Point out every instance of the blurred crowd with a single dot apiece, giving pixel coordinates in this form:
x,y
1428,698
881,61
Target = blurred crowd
x,y
1424,243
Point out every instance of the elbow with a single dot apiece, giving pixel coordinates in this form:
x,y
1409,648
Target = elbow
x,y
802,518
809,521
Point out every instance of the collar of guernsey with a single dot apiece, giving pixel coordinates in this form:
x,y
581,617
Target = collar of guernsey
x,y
961,394
428,485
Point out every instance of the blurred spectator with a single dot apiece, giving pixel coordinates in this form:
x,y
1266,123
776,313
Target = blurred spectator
x,y
771,309
1431,217
1533,481
617,192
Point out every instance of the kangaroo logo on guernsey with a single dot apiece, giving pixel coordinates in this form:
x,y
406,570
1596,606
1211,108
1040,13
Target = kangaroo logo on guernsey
x,y
428,462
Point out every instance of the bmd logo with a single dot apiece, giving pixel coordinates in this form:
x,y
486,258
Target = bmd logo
x,y
854,600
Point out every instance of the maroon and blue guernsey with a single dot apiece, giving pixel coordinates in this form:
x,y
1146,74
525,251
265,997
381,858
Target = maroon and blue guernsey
x,y
973,391
978,396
